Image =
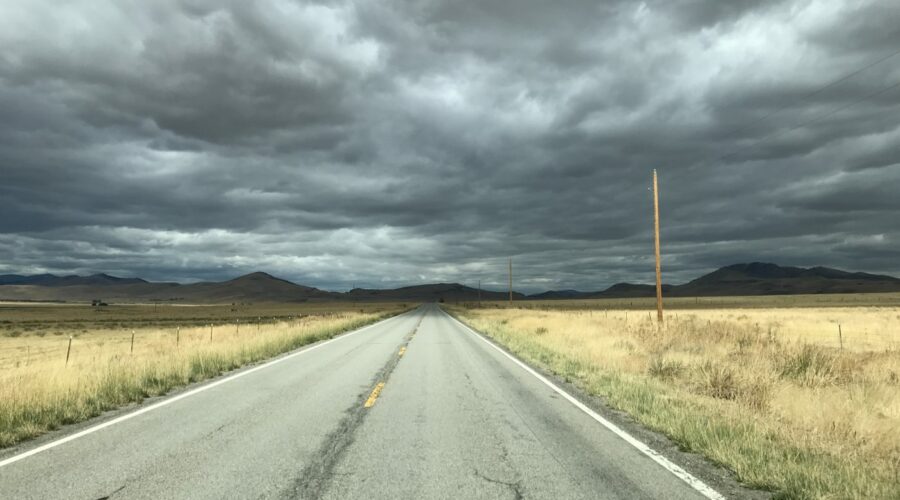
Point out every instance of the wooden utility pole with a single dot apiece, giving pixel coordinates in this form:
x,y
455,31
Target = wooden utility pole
x,y
659,305
510,280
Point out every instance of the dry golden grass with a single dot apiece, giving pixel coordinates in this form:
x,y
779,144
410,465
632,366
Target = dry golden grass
x,y
768,392
39,391
46,318
728,302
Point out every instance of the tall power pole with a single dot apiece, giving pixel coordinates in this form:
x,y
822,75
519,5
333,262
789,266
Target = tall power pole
x,y
659,305
510,280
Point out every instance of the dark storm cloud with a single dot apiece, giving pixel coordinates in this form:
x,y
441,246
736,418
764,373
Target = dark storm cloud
x,y
394,142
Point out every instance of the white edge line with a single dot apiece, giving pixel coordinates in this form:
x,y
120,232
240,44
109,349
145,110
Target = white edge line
x,y
168,401
667,464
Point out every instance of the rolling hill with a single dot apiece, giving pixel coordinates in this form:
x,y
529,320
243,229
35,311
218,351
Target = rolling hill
x,y
54,280
759,278
452,292
255,287
755,278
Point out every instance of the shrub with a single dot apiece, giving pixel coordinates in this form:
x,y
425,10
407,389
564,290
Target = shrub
x,y
809,366
756,394
665,369
717,381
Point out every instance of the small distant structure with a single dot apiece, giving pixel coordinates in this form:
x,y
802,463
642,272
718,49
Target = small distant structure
x,y
98,303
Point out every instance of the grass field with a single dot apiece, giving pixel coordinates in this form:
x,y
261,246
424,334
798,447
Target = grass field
x,y
767,391
20,318
694,303
172,346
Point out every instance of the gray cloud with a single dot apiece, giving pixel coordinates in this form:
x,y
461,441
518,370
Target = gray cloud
x,y
393,142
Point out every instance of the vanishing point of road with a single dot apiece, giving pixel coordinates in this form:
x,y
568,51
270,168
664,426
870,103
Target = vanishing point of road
x,y
416,406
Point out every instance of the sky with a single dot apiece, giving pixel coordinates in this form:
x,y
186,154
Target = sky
x,y
381,143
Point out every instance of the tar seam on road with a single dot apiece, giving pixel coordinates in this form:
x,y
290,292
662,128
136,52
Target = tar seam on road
x,y
667,464
168,401
315,477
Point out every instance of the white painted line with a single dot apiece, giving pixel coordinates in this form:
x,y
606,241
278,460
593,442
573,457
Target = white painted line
x,y
168,401
682,474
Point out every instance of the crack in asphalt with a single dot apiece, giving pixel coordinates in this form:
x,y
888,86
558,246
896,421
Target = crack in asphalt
x,y
211,434
516,487
107,497
547,449
315,477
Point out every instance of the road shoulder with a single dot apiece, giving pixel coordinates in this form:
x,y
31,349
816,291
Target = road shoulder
x,y
714,475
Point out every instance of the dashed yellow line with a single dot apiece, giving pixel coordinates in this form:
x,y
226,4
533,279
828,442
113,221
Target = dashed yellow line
x,y
402,350
374,396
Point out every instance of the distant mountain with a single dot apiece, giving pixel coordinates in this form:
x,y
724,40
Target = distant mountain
x,y
54,280
560,294
450,292
619,290
760,278
13,279
756,278
255,287
97,279
627,290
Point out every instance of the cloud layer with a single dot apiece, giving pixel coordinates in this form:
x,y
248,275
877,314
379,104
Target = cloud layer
x,y
377,143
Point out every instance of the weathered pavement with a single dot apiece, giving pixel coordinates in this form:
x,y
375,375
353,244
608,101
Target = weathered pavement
x,y
452,417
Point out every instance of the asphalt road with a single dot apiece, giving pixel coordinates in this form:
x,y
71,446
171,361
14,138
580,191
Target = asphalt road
x,y
451,417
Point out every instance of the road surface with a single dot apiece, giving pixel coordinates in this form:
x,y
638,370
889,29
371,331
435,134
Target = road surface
x,y
416,406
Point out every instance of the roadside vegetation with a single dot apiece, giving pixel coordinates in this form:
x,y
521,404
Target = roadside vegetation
x,y
780,395
40,390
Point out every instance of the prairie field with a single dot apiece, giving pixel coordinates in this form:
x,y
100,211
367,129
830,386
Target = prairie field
x,y
123,354
780,395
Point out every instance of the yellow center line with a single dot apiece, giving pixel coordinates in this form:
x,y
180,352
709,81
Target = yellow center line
x,y
402,350
375,392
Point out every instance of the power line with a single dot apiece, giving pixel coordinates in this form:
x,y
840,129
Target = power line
x,y
814,93
810,122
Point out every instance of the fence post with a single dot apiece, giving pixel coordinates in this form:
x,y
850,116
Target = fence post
x,y
210,332
841,337
132,342
510,282
69,350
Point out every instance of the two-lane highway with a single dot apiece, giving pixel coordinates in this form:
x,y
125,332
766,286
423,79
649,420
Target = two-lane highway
x,y
416,406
